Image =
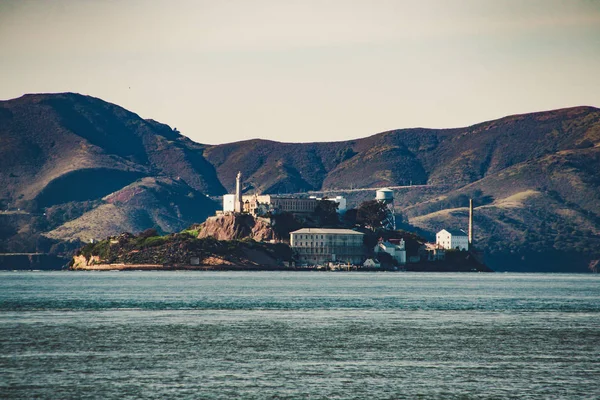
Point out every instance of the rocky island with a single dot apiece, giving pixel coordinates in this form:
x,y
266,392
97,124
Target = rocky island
x,y
75,168
228,242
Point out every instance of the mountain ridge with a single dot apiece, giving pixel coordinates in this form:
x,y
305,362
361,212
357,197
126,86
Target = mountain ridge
x,y
67,155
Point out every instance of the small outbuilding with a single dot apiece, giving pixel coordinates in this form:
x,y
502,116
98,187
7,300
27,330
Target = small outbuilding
x,y
371,263
452,239
396,250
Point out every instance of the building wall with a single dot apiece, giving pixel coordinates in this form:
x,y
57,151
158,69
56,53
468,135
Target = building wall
x,y
321,248
449,241
229,202
280,204
288,204
462,242
400,256
398,252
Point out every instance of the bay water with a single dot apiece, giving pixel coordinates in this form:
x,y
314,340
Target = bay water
x,y
317,335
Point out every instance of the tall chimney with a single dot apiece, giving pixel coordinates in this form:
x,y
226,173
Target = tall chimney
x,y
470,223
238,207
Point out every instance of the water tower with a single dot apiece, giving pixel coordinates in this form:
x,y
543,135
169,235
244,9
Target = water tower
x,y
386,196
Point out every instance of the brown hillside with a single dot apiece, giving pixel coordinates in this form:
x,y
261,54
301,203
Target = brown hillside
x,y
65,158
52,143
422,156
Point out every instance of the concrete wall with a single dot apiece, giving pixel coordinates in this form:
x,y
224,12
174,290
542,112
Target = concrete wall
x,y
320,248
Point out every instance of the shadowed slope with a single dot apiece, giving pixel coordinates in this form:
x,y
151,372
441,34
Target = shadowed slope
x,y
46,139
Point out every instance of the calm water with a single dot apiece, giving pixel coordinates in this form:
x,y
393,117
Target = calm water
x,y
161,335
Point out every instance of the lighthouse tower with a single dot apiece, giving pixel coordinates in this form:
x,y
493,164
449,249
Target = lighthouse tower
x,y
237,201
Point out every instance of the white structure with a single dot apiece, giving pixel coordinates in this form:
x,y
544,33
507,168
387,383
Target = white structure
x,y
320,246
396,250
228,202
257,204
452,239
386,196
233,202
238,205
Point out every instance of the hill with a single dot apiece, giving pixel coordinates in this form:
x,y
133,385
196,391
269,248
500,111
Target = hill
x,y
76,167
454,157
535,178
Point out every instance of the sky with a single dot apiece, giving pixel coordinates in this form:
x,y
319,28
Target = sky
x,y
301,71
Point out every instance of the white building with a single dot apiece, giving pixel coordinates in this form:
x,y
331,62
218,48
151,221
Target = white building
x,y
396,250
319,246
452,239
228,202
233,202
277,204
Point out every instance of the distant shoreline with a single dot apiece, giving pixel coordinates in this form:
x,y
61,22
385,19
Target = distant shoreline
x,y
427,267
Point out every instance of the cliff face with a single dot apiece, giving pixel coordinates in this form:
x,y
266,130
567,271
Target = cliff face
x,y
236,226
81,262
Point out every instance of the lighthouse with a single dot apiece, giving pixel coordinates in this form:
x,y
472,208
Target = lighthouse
x,y
237,202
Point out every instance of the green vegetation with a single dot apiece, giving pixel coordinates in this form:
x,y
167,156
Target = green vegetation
x,y
192,232
371,214
284,223
100,249
178,249
326,214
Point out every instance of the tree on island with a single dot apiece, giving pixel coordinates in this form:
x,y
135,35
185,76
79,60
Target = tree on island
x,y
349,217
284,223
371,214
326,213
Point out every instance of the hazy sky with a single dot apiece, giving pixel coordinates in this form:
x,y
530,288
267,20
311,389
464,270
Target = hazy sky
x,y
223,71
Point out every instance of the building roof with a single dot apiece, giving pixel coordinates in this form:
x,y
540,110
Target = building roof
x,y
323,230
455,232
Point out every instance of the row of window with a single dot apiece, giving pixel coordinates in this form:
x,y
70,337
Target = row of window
x,y
313,251
329,243
309,237
335,250
295,205
310,244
